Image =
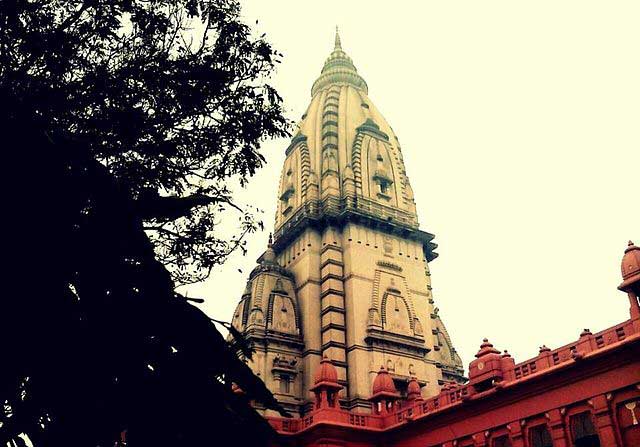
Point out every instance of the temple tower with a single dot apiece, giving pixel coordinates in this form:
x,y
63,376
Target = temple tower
x,y
346,276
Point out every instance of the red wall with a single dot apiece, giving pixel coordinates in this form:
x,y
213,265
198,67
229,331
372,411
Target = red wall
x,y
599,375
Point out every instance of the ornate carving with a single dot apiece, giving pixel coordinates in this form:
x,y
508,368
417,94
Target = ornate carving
x,y
400,319
329,160
374,317
297,139
356,161
256,316
417,327
390,366
268,267
389,265
376,289
286,363
371,128
387,244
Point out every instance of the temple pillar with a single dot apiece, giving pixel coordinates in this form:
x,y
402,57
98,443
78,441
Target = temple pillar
x,y
634,311
516,435
556,426
604,422
631,282
332,314
324,403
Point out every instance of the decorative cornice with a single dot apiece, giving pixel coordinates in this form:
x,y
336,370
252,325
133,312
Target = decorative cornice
x,y
390,348
331,291
270,267
329,326
331,261
330,309
261,336
328,276
371,128
333,344
338,212
307,352
299,138
402,341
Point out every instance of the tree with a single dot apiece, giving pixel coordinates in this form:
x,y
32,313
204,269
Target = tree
x,y
170,95
118,122
98,343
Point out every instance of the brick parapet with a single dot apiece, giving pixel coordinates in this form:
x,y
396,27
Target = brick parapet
x,y
592,371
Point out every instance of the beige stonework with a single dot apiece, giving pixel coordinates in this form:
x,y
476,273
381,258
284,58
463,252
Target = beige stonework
x,y
347,274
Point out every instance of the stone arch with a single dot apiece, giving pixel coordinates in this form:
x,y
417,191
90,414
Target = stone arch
x,y
290,185
396,314
381,172
240,316
373,167
282,315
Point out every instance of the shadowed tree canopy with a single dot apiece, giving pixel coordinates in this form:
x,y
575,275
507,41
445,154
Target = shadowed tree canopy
x,y
170,95
125,121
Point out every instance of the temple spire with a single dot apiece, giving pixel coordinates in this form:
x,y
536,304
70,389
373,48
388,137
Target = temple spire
x,y
338,44
338,69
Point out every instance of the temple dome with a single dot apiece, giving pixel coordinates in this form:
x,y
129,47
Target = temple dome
x,y
630,267
486,348
413,389
269,256
269,302
338,69
326,372
487,366
344,149
383,383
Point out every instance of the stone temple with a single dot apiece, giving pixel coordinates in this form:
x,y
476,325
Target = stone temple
x,y
340,314
346,276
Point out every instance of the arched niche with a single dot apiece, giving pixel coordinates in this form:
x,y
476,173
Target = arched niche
x,y
282,314
396,315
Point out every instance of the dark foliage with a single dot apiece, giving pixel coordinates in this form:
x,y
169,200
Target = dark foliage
x,y
170,95
96,341
115,123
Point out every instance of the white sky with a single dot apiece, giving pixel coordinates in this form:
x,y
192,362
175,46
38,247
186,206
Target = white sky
x,y
519,123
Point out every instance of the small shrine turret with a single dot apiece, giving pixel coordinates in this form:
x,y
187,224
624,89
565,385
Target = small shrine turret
x,y
414,392
326,386
631,281
268,316
486,370
384,393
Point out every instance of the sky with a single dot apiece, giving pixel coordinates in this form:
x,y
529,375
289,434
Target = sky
x,y
519,123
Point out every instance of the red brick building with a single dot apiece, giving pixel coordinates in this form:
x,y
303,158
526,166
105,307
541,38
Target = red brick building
x,y
586,393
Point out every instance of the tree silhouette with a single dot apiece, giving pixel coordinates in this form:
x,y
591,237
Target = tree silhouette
x,y
169,95
118,119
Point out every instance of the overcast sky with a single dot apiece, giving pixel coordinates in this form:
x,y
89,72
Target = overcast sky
x,y
519,123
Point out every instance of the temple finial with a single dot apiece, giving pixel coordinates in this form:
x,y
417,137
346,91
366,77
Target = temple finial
x,y
338,44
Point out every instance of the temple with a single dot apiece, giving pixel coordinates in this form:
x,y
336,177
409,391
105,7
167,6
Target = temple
x,y
584,394
340,314
346,275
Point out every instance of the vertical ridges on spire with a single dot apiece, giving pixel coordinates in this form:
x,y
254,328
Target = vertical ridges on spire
x,y
338,44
